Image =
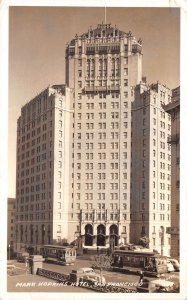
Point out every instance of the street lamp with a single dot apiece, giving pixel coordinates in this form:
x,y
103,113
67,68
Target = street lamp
x,y
161,234
112,243
77,237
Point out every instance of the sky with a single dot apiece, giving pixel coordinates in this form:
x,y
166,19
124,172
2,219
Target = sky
x,y
37,41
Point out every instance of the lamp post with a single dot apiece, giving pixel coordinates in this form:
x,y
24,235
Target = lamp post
x,y
162,244
161,240
112,243
77,237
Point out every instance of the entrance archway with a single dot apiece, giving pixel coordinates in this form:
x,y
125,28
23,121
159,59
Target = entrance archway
x,y
101,235
88,235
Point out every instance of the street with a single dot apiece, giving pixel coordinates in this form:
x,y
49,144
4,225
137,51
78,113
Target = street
x,y
25,282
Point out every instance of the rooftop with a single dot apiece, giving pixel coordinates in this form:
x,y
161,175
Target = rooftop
x,y
104,31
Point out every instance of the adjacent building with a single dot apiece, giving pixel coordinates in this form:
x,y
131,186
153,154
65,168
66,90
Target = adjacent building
x,y
173,108
42,188
151,166
11,225
93,163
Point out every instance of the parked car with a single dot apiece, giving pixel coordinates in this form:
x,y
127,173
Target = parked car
x,y
155,286
175,264
86,275
86,270
170,266
93,278
22,256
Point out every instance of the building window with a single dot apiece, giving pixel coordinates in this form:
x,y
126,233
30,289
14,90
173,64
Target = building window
x,y
114,115
125,82
125,104
80,84
124,196
125,60
125,71
79,115
124,218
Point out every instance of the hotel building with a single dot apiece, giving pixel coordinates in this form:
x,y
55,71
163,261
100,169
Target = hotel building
x,y
102,67
77,180
151,167
173,108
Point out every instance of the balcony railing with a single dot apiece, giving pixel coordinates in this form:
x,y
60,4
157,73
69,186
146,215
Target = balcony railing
x,y
103,49
96,89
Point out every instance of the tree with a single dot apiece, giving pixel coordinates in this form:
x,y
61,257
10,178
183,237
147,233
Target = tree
x,y
103,261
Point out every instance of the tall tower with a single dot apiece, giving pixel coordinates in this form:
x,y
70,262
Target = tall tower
x,y
151,166
102,66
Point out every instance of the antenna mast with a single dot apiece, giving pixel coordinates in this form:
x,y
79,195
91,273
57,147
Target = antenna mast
x,y
105,14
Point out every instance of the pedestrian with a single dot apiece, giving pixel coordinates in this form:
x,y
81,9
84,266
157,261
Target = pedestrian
x,y
141,277
26,265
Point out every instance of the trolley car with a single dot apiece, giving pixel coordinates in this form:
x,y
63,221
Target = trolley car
x,y
59,254
150,263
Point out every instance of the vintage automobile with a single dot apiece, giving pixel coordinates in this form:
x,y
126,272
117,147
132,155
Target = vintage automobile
x,y
155,286
22,256
93,278
86,275
175,264
170,266
86,270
